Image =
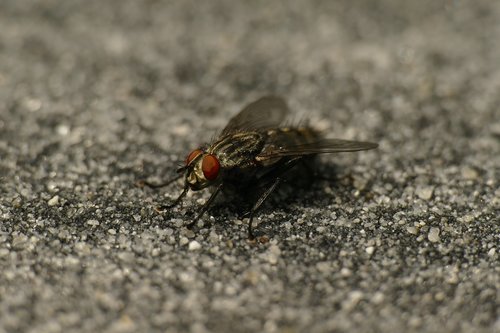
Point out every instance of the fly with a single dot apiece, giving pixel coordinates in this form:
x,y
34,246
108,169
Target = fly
x,y
253,151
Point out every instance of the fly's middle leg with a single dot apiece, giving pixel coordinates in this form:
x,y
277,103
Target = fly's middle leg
x,y
278,173
206,206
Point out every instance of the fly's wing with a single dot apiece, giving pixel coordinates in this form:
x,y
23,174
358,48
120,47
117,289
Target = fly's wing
x,y
266,112
320,146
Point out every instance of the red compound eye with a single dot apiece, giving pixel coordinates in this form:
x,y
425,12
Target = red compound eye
x,y
192,155
210,167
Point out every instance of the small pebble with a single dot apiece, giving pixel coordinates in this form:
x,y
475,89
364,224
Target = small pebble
x,y
189,233
19,241
93,223
62,130
183,240
54,201
345,272
440,296
425,192
320,229
412,230
273,254
469,173
378,297
194,246
433,235
4,252
468,218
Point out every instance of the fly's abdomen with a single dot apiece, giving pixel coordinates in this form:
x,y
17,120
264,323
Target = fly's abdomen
x,y
283,137
292,136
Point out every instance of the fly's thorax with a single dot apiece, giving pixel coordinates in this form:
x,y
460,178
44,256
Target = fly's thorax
x,y
238,149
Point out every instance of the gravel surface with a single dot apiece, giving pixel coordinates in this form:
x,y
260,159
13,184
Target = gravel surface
x,y
95,95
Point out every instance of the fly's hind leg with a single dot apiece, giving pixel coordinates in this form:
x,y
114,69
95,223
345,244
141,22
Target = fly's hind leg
x,y
278,174
259,203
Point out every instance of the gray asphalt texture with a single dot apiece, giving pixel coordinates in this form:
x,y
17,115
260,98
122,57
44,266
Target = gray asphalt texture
x,y
96,95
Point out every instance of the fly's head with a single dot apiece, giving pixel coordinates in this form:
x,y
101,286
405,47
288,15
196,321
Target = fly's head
x,y
202,169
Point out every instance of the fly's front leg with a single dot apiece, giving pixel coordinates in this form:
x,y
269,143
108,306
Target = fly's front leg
x,y
160,209
177,201
141,183
206,206
259,203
